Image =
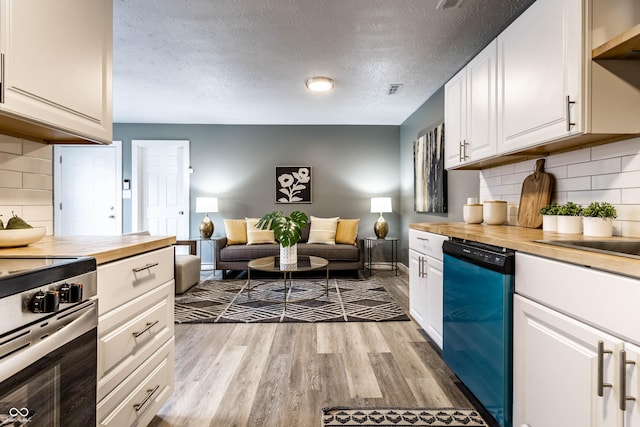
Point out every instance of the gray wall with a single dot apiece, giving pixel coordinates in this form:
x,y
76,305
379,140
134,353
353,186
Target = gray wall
x,y
462,184
350,164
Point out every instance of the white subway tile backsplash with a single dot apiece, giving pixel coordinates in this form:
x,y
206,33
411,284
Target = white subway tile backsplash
x,y
616,149
26,181
599,167
573,184
616,180
571,157
608,173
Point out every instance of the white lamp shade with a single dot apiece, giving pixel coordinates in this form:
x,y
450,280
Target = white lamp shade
x,y
206,204
381,204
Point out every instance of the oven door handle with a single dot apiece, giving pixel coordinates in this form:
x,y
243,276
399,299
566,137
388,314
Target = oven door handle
x,y
86,320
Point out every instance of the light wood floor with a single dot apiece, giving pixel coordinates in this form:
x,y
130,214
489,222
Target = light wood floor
x,y
284,374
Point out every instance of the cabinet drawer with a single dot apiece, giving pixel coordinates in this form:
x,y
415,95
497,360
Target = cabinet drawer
x,y
138,399
129,334
124,280
427,243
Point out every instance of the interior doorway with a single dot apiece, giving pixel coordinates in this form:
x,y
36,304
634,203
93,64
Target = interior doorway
x,y
160,187
87,190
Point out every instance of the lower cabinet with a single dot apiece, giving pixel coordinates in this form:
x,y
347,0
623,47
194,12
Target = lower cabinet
x,y
135,338
425,282
567,372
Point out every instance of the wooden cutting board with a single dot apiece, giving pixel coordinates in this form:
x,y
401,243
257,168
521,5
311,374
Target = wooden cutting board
x,y
536,193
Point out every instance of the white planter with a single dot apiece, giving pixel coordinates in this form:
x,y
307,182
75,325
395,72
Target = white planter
x,y
550,223
569,224
598,227
288,255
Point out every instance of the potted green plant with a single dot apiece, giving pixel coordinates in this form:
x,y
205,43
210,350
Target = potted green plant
x,y
598,218
287,230
570,218
550,217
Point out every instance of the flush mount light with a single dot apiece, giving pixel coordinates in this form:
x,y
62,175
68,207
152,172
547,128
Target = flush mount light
x,y
319,84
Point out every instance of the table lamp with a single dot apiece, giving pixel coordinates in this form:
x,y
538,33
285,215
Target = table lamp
x,y
206,205
381,204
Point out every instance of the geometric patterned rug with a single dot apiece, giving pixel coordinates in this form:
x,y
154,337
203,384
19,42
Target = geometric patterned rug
x,y
227,301
449,417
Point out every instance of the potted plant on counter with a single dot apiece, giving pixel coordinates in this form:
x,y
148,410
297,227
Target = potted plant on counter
x,y
570,218
287,230
550,217
598,218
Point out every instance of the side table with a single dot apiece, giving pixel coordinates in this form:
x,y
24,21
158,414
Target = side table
x,y
370,243
206,266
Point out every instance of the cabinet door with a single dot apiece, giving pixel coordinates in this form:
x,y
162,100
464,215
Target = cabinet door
x,y
555,371
57,64
417,288
539,66
482,122
455,117
631,412
433,269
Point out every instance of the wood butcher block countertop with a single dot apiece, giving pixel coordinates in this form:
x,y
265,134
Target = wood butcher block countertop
x,y
103,248
523,240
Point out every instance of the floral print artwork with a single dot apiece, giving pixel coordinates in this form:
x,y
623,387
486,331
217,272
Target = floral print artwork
x,y
293,184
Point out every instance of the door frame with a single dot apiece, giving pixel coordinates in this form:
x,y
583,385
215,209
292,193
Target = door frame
x,y
137,171
57,182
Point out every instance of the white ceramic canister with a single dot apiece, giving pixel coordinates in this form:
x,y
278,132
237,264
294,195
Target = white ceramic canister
x,y
472,213
494,212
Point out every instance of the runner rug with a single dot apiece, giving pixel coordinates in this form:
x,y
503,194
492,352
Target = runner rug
x,y
447,417
228,301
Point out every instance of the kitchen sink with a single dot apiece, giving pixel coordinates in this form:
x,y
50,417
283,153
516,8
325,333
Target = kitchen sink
x,y
626,248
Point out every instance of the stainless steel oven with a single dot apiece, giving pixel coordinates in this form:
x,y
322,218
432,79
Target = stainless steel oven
x,y
48,341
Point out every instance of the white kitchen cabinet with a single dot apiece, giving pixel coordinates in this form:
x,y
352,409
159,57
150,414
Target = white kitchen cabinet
x,y
56,66
573,326
470,110
549,89
135,337
425,281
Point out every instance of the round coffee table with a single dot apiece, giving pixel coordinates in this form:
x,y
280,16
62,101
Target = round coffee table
x,y
271,264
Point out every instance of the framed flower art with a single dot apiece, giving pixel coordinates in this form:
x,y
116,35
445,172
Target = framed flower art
x,y
293,184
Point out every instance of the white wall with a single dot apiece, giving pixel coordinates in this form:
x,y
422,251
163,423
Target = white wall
x,y
26,181
605,173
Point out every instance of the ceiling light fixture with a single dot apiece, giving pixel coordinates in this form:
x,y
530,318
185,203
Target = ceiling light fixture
x,y
319,84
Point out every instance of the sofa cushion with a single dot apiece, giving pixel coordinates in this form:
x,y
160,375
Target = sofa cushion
x,y
323,230
334,252
347,231
236,231
255,236
248,252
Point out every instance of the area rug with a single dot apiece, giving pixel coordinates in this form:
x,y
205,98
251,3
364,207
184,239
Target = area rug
x,y
445,417
227,301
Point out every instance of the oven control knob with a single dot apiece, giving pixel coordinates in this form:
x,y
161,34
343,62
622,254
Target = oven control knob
x,y
45,302
70,292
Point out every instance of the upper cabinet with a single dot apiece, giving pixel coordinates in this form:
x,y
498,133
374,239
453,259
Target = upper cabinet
x,y
56,60
470,110
551,95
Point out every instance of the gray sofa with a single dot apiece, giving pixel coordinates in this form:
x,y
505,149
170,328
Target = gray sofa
x,y
341,257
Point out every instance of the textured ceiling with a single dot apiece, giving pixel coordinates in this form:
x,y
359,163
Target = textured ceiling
x,y
246,61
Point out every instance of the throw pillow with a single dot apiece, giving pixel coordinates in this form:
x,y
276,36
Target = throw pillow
x,y
323,230
256,236
236,231
347,231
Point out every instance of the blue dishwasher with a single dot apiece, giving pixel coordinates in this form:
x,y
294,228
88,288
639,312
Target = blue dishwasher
x,y
478,322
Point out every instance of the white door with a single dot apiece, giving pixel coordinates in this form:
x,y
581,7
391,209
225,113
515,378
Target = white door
x,y
631,413
434,299
418,288
87,190
555,370
160,187
455,119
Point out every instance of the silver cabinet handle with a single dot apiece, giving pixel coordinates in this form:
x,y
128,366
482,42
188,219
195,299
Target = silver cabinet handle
x,y
601,353
150,392
569,122
623,381
146,267
460,148
424,239
148,326
424,271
